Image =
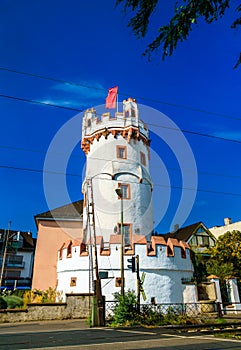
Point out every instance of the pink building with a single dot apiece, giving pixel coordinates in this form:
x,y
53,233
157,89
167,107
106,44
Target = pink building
x,y
54,228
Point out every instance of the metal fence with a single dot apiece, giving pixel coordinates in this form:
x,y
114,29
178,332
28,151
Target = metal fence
x,y
203,310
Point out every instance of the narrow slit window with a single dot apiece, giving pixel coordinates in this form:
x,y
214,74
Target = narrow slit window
x,y
143,158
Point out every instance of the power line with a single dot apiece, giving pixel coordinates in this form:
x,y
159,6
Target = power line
x,y
151,124
155,185
62,81
40,103
37,170
51,79
105,159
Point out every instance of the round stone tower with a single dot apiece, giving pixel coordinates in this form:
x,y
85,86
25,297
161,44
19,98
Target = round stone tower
x,y
118,153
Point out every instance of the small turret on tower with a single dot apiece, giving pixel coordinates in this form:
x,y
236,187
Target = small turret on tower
x,y
130,108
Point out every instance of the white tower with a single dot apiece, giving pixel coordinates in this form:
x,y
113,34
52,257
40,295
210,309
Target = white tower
x,y
117,151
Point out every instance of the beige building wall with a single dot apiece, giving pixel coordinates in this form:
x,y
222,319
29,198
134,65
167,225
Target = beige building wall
x,y
228,226
51,235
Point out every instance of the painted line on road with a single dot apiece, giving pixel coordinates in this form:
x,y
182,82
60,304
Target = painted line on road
x,y
137,332
132,344
201,337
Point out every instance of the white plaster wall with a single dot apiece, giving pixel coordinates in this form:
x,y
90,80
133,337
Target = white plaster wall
x,y
190,293
217,288
163,274
234,294
106,171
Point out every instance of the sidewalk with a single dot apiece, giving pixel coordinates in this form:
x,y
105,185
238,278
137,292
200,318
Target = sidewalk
x,y
43,326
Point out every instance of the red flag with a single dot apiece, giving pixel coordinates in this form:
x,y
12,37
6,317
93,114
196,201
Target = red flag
x,y
110,101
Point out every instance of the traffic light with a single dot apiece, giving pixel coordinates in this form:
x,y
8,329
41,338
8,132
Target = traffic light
x,y
132,261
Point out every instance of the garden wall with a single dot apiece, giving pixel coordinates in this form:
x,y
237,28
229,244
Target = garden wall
x,y
76,306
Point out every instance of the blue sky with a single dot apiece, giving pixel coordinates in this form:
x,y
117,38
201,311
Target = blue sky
x,y
88,43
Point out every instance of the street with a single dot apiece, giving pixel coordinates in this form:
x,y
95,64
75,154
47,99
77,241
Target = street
x,y
75,334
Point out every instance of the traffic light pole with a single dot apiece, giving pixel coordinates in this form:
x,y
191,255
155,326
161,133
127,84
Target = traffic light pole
x,y
122,252
138,282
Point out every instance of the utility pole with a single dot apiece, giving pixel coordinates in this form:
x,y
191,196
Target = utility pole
x,y
4,254
98,317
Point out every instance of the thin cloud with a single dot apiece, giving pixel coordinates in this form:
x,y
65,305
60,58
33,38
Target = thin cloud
x,y
65,103
90,91
74,96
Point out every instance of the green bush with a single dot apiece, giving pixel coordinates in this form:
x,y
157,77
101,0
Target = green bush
x,y
13,301
18,292
125,310
150,317
3,304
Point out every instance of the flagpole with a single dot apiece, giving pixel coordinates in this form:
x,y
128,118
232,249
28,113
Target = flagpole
x,y
117,103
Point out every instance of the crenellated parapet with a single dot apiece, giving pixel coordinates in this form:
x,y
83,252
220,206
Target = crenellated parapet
x,y
163,266
126,124
152,248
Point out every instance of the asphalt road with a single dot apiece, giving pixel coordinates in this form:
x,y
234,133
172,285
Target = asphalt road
x,y
72,335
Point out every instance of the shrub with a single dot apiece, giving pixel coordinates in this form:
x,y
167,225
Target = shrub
x,y
5,292
19,292
3,303
150,317
125,310
13,301
40,296
49,295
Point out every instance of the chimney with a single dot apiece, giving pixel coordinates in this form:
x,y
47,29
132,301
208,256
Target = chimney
x,y
176,227
227,221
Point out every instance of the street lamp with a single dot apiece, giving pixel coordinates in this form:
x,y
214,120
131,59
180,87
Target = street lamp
x,y
120,195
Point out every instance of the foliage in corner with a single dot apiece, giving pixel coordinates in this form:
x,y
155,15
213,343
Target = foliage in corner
x,y
186,14
225,256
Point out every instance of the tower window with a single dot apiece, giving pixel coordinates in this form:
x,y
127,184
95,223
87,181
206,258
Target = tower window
x,y
126,233
143,158
73,281
121,152
125,190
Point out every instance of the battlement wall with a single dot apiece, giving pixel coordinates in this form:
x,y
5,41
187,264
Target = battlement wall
x,y
172,254
92,123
